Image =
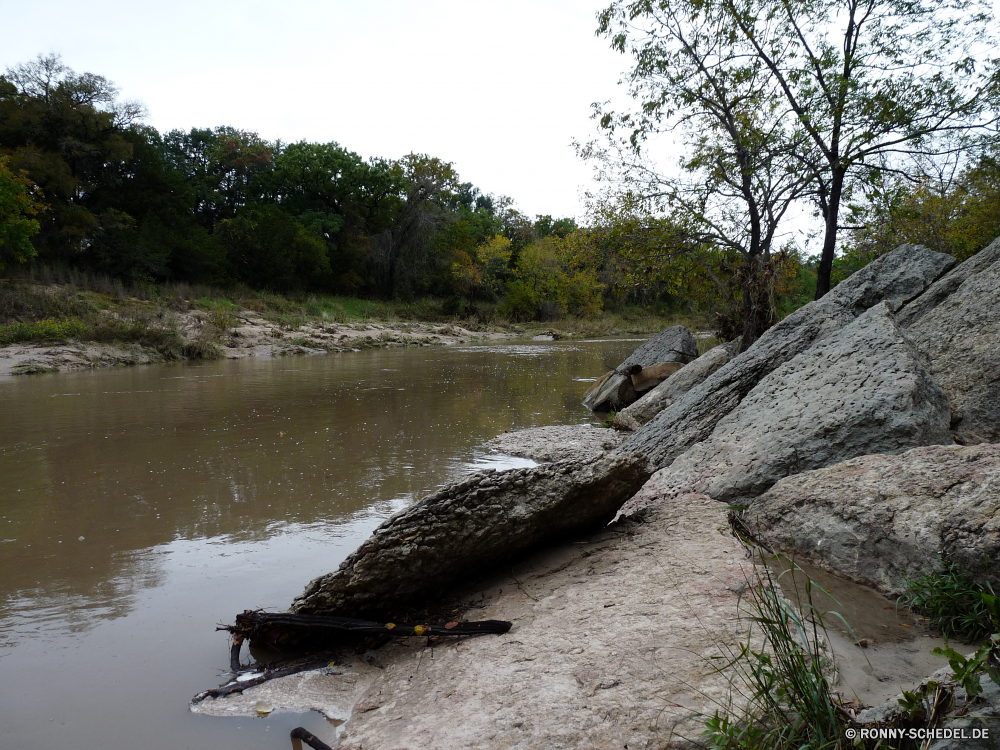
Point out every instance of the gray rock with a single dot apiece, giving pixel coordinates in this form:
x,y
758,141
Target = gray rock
x,y
652,403
959,340
470,527
674,344
615,391
896,277
556,443
943,287
983,713
861,390
880,519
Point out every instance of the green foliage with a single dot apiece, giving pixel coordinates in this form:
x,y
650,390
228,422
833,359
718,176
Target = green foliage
x,y
20,204
551,281
953,603
779,669
958,215
269,249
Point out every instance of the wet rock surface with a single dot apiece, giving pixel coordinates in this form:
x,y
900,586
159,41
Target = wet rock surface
x,y
880,519
861,390
470,527
558,442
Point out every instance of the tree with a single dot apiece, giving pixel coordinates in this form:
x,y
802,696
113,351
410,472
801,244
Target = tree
x,y
864,81
739,174
953,209
20,204
65,130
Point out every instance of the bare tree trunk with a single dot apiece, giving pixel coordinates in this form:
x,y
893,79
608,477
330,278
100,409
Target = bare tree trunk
x,y
830,234
758,313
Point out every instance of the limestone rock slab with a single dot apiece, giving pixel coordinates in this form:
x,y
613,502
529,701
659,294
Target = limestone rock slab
x,y
880,519
557,442
861,390
895,278
959,340
470,527
652,403
615,391
612,646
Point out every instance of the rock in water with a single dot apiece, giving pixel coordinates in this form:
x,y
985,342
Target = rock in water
x,y
881,519
470,527
860,390
959,339
615,389
557,442
632,417
896,278
674,344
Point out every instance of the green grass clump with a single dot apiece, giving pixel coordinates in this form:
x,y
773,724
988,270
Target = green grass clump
x,y
47,329
952,601
778,675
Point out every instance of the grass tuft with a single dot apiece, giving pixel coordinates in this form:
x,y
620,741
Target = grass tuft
x,y
952,601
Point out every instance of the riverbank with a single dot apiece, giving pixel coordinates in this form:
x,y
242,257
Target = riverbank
x,y
102,323
645,632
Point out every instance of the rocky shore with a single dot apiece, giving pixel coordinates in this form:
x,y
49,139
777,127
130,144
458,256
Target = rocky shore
x,y
860,432
252,336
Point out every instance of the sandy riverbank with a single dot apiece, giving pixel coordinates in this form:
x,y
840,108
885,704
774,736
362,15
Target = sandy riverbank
x,y
252,336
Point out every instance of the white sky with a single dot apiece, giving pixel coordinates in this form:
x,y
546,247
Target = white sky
x,y
498,88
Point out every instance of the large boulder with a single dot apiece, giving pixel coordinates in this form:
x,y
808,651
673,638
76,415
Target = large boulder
x,y
895,278
635,415
941,289
959,339
470,527
860,390
881,519
556,442
616,389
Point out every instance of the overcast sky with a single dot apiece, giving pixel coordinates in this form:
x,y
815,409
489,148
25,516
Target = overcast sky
x,y
500,89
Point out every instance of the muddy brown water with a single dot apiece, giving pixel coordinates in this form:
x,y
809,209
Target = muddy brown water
x,y
141,507
898,644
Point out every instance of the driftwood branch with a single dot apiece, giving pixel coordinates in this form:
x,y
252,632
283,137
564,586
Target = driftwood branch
x,y
309,738
268,627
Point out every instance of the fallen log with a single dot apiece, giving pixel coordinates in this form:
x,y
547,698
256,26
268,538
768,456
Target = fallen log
x,y
279,627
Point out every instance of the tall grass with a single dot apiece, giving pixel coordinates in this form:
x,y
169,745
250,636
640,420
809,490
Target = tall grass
x,y
779,675
953,602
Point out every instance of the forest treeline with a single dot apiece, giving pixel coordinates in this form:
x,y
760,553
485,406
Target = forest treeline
x,y
85,183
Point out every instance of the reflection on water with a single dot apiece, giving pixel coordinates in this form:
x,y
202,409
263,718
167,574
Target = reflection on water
x,y
141,507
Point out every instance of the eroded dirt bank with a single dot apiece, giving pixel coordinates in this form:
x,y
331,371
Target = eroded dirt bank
x,y
253,335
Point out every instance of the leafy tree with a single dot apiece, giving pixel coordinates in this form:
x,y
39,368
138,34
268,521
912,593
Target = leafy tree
x,y
739,171
224,167
270,250
64,129
952,210
549,282
20,204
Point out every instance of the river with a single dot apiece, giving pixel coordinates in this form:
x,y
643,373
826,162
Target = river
x,y
142,507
